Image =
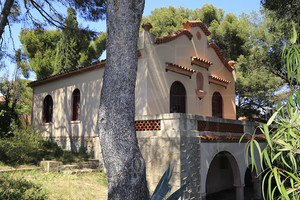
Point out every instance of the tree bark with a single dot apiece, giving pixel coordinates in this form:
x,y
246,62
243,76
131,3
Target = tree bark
x,y
126,170
4,15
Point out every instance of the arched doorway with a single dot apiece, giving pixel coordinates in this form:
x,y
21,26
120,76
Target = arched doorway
x,y
177,98
223,180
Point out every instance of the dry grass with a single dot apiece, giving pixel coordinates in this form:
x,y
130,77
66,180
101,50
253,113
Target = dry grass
x,y
59,186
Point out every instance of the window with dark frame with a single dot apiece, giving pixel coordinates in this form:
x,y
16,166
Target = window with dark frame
x,y
75,105
47,109
217,105
177,98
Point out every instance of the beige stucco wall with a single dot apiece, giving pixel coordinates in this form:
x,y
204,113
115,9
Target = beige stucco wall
x,y
179,51
71,134
61,90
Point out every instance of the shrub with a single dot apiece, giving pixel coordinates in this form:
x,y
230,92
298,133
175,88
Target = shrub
x,y
25,147
20,189
21,148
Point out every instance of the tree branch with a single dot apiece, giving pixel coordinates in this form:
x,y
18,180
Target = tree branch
x,y
45,15
4,15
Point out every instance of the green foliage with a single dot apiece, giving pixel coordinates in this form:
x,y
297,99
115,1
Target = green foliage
x,y
73,40
7,117
271,34
283,9
18,102
280,160
207,14
20,189
163,188
94,50
39,47
48,52
255,87
90,10
291,56
25,147
168,20
232,35
21,148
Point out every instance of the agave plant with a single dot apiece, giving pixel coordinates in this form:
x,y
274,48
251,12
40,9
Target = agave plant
x,y
163,187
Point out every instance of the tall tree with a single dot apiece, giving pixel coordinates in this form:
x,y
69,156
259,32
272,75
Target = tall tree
x,y
279,18
72,42
40,49
288,9
39,46
89,10
17,101
231,35
121,154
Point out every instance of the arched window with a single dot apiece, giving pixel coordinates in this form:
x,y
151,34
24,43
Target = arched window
x,y
177,98
199,79
47,109
217,105
75,105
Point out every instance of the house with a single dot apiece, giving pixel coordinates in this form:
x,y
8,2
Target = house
x,y
185,111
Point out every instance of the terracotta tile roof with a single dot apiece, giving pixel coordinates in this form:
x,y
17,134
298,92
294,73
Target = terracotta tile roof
x,y
214,138
218,80
189,24
200,62
92,66
173,36
220,55
179,69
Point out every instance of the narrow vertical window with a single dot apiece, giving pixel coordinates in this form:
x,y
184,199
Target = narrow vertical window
x,y
177,98
47,109
217,105
75,105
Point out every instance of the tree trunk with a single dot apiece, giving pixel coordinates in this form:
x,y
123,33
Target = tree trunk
x,y
4,15
126,170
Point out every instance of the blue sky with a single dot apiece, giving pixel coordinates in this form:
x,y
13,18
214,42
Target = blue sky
x,y
229,6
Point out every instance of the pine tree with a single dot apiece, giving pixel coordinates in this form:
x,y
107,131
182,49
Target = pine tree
x,y
70,45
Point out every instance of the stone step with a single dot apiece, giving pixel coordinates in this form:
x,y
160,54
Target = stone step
x,y
80,171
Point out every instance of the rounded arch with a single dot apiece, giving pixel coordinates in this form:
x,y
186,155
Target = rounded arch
x,y
223,174
47,109
75,113
199,79
177,98
217,105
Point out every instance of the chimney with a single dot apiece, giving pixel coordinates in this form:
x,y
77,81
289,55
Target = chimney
x,y
186,25
231,63
147,26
